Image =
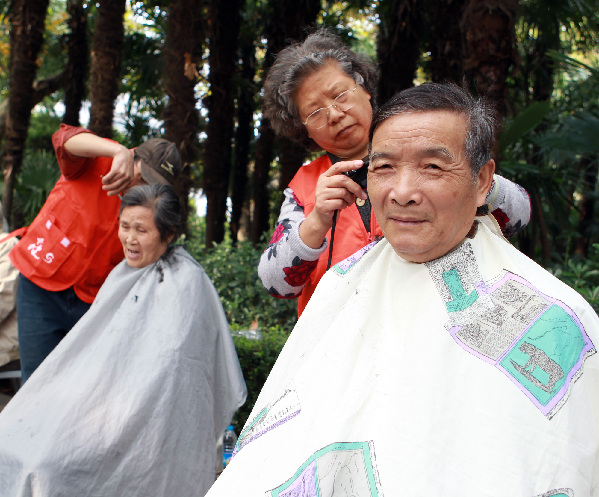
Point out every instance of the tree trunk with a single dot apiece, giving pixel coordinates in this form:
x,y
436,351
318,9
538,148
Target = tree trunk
x,y
291,158
77,52
539,216
446,41
289,22
541,72
398,45
224,22
41,89
104,80
182,55
243,136
26,38
263,158
587,205
489,31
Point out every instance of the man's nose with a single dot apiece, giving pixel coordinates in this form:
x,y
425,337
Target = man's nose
x,y
406,187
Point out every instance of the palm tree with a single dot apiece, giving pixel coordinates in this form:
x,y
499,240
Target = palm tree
x,y
398,45
489,30
287,21
182,54
78,55
446,41
104,81
246,105
26,37
224,22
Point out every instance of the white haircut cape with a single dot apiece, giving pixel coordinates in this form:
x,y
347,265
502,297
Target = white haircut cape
x,y
472,375
134,398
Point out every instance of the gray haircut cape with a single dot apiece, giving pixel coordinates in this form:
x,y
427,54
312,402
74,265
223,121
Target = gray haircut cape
x,y
134,399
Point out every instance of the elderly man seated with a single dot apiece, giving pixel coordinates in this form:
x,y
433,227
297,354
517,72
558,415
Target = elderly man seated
x,y
439,361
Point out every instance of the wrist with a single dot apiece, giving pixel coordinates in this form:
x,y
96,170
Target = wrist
x,y
313,231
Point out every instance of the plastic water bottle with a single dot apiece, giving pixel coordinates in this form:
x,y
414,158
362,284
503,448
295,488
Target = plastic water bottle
x,y
229,442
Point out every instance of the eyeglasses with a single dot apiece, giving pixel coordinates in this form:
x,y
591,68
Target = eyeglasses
x,y
343,102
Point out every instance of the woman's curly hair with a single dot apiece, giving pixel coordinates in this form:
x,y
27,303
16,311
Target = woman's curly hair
x,y
296,62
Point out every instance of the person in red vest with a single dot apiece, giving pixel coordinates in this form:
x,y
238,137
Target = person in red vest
x,y
321,94
68,250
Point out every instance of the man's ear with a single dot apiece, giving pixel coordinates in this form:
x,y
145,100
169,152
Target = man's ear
x,y
484,181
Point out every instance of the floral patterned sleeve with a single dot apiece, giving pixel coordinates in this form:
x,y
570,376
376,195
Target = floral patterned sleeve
x,y
287,262
510,205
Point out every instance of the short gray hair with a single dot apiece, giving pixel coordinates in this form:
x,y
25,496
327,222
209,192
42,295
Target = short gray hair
x,y
481,116
163,201
298,61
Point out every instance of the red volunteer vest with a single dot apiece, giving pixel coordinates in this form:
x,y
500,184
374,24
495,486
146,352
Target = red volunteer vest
x,y
350,234
73,241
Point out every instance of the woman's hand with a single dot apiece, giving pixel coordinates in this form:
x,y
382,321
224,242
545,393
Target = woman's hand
x,y
121,172
334,191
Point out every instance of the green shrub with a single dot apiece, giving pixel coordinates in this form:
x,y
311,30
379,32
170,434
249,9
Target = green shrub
x,y
233,270
582,274
257,358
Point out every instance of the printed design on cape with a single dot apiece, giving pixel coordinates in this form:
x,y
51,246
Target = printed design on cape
x,y
344,469
345,265
286,407
558,492
534,339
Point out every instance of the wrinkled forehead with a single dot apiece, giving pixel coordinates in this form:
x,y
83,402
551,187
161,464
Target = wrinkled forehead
x,y
437,129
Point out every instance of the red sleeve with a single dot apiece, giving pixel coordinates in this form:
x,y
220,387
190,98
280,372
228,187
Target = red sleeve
x,y
70,165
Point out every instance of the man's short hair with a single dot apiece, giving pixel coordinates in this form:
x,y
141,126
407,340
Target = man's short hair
x,y
482,119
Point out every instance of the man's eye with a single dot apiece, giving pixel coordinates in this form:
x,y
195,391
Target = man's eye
x,y
433,166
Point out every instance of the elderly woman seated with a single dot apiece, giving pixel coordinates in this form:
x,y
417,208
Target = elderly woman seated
x,y
134,399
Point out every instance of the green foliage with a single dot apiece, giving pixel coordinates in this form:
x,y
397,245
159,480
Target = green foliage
x,y
41,128
582,274
39,173
257,357
234,274
523,123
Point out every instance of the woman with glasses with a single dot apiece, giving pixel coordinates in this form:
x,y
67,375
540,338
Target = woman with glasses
x,y
321,94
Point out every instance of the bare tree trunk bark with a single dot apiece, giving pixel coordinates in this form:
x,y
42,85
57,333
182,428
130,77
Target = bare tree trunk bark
x,y
587,205
489,30
243,136
446,41
26,37
292,156
182,55
398,45
263,158
104,81
289,22
77,50
224,33
41,89
539,216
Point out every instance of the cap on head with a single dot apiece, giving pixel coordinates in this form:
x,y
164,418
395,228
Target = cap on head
x,y
161,162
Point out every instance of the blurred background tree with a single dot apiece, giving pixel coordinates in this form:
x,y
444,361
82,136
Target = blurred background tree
x,y
192,71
